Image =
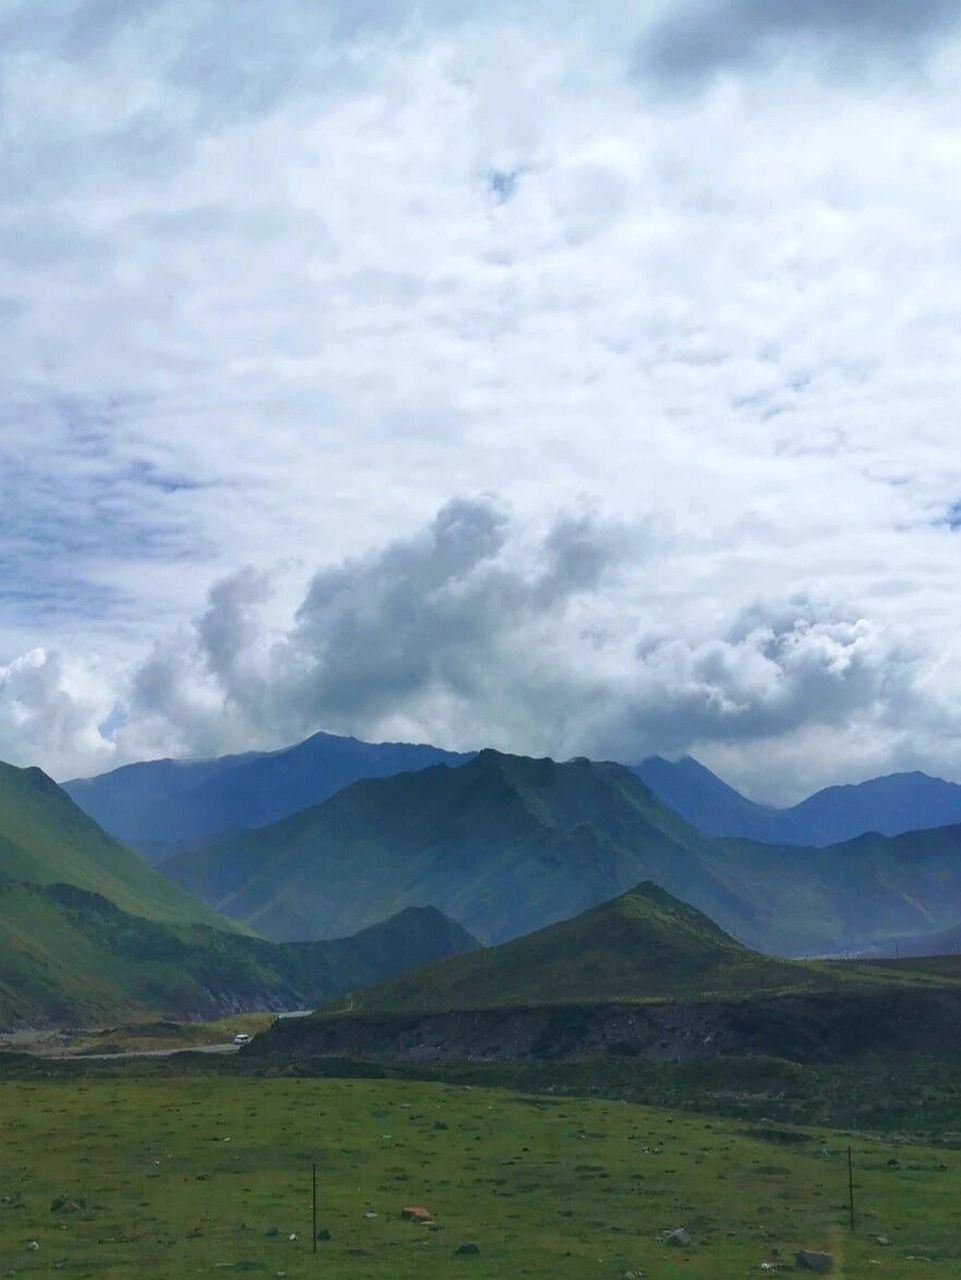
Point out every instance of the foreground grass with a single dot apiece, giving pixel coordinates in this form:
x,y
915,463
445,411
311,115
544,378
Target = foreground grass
x,y
127,1176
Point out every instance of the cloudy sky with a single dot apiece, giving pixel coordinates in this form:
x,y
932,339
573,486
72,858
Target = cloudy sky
x,y
566,378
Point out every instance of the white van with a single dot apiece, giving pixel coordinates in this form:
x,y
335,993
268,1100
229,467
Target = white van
x,y
241,1038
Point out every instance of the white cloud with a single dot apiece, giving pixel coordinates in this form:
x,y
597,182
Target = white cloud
x,y
50,710
264,304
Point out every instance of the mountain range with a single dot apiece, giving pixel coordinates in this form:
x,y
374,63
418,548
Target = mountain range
x,y
159,806
891,805
88,930
506,845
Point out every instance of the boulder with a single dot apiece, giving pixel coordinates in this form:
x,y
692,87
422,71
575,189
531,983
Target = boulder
x,y
680,1238
417,1213
814,1260
467,1249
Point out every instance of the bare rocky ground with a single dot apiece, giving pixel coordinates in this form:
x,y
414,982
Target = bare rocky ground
x,y
811,1027
51,1044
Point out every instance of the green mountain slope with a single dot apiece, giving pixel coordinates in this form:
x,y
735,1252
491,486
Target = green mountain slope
x,y
70,957
508,845
504,844
45,839
645,944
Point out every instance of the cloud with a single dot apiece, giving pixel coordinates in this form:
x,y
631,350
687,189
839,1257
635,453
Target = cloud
x,y
50,709
701,37
474,632
432,634
277,283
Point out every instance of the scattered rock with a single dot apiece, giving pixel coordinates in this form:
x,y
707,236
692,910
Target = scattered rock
x,y
813,1260
882,1240
416,1213
679,1239
323,1234
33,1245
467,1249
62,1205
369,1216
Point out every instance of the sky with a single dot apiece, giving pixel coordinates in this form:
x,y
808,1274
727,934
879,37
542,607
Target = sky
x,y
569,379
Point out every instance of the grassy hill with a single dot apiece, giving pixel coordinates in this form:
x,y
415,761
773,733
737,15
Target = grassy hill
x,y
642,977
46,839
70,957
643,945
507,845
88,930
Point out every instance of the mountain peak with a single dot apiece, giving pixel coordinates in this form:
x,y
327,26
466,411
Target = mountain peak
x,y
644,944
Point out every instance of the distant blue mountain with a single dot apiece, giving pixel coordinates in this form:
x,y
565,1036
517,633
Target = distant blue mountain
x,y
162,806
890,805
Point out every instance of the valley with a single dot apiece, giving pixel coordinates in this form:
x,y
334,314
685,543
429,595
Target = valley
x,y
562,1097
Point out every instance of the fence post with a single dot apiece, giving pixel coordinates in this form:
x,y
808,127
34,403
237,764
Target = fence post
x,y
851,1185
313,1203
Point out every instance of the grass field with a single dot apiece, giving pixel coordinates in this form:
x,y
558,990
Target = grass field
x,y
124,1176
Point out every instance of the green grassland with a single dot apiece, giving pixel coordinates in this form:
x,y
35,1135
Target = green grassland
x,y
121,1177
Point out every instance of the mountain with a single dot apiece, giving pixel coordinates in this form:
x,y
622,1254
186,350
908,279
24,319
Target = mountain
x,y
45,839
707,802
70,957
162,805
504,844
507,845
943,943
644,944
892,805
642,976
89,931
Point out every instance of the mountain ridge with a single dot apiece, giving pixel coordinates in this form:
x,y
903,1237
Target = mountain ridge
x,y
160,805
507,845
644,944
891,804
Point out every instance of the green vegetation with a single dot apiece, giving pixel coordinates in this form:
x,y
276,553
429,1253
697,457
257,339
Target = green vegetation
x,y
45,839
90,933
158,1177
70,957
643,945
507,845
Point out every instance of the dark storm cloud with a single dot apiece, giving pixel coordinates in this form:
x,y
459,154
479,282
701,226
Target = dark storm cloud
x,y
697,40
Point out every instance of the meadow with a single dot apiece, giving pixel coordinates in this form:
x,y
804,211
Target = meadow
x,y
126,1176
